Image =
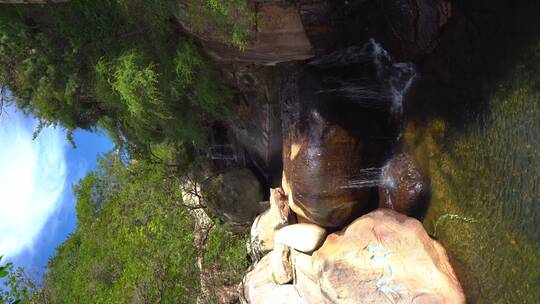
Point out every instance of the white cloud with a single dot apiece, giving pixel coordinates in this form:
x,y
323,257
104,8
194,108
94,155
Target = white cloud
x,y
32,180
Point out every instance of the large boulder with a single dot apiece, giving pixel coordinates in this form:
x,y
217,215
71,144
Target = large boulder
x,y
258,287
405,188
382,257
339,122
319,160
234,196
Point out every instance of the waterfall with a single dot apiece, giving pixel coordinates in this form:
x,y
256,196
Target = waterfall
x,y
379,82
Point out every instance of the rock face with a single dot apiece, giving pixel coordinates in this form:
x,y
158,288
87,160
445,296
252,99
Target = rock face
x,y
266,224
404,187
259,288
319,160
234,196
257,127
383,257
278,36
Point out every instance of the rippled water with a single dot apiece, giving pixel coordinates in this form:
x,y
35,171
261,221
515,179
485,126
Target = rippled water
x,y
485,177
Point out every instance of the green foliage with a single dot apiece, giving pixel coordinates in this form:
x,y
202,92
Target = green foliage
x,y
114,64
133,242
18,286
136,83
225,257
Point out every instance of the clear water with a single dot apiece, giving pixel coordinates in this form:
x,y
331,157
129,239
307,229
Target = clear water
x,y
485,177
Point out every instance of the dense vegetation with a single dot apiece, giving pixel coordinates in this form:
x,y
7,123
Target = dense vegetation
x,y
121,65
126,67
133,244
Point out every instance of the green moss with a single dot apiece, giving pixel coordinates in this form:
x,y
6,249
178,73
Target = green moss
x,y
485,205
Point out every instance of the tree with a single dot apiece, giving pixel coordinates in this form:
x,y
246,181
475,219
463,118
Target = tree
x,y
133,242
19,286
120,65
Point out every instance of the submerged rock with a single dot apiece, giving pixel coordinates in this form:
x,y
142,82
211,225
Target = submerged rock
x,y
404,186
258,287
382,257
265,225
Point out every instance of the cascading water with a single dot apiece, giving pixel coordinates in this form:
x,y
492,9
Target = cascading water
x,y
379,83
342,117
371,79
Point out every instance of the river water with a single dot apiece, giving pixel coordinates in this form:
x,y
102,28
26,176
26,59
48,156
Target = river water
x,y
476,137
485,184
482,158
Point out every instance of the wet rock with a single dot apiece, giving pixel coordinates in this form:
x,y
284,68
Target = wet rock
x,y
318,18
302,237
416,24
266,224
338,128
281,264
319,160
278,36
382,257
234,197
404,186
259,287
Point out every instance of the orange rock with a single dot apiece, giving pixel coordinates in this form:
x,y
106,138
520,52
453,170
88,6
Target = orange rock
x,y
382,257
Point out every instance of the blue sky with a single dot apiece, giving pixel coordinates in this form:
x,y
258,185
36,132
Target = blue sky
x,y
37,206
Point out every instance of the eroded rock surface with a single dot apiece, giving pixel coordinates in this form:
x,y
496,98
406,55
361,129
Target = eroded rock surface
x,y
382,257
282,272
257,126
265,225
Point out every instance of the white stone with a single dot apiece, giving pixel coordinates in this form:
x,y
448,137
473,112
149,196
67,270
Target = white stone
x,y
303,237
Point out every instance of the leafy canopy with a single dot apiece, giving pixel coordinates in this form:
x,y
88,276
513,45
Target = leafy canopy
x,y
120,65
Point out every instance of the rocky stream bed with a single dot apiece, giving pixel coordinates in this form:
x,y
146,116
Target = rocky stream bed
x,y
397,142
